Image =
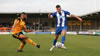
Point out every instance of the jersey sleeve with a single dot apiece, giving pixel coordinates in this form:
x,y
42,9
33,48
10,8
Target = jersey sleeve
x,y
53,15
67,13
16,21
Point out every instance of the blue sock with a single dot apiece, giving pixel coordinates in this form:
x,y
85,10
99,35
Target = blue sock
x,y
54,42
63,39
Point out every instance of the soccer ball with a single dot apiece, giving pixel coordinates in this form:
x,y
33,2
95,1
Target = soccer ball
x,y
58,44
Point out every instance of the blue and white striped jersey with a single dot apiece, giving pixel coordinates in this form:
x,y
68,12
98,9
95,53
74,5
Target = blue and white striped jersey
x,y
61,18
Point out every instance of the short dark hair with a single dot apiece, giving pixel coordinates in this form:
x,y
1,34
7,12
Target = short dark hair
x,y
23,13
19,14
58,6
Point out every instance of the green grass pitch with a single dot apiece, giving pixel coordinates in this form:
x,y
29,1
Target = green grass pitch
x,y
78,45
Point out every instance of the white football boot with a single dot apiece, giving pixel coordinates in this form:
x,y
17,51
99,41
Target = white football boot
x,y
63,47
52,48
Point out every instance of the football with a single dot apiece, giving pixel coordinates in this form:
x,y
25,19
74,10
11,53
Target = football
x,y
58,44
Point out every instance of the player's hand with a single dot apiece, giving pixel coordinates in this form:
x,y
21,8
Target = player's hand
x,y
49,15
31,30
80,19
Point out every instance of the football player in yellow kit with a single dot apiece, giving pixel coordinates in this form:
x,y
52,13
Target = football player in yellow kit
x,y
18,26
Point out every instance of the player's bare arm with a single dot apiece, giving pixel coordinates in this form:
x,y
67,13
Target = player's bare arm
x,y
14,25
76,17
27,30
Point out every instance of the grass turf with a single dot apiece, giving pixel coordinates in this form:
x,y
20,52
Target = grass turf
x,y
78,45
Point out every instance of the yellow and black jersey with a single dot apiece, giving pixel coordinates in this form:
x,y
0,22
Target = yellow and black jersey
x,y
20,26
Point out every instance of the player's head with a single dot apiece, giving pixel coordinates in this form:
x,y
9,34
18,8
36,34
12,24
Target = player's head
x,y
23,15
58,8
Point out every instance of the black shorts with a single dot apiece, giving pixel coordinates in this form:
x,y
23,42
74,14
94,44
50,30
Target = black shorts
x,y
17,35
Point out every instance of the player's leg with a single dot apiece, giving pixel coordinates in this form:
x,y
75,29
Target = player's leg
x,y
54,42
58,31
63,38
22,36
55,39
23,42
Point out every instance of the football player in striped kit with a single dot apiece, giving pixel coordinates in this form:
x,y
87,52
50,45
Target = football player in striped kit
x,y
61,28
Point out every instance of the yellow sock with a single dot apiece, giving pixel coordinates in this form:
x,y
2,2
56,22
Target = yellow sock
x,y
31,42
21,46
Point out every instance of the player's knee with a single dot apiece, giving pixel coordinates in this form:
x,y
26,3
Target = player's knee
x,y
63,34
55,38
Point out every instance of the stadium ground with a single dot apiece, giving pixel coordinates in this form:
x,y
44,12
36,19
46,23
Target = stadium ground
x,y
78,45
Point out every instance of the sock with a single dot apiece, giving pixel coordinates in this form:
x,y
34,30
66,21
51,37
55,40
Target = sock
x,y
21,46
54,42
31,42
63,39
